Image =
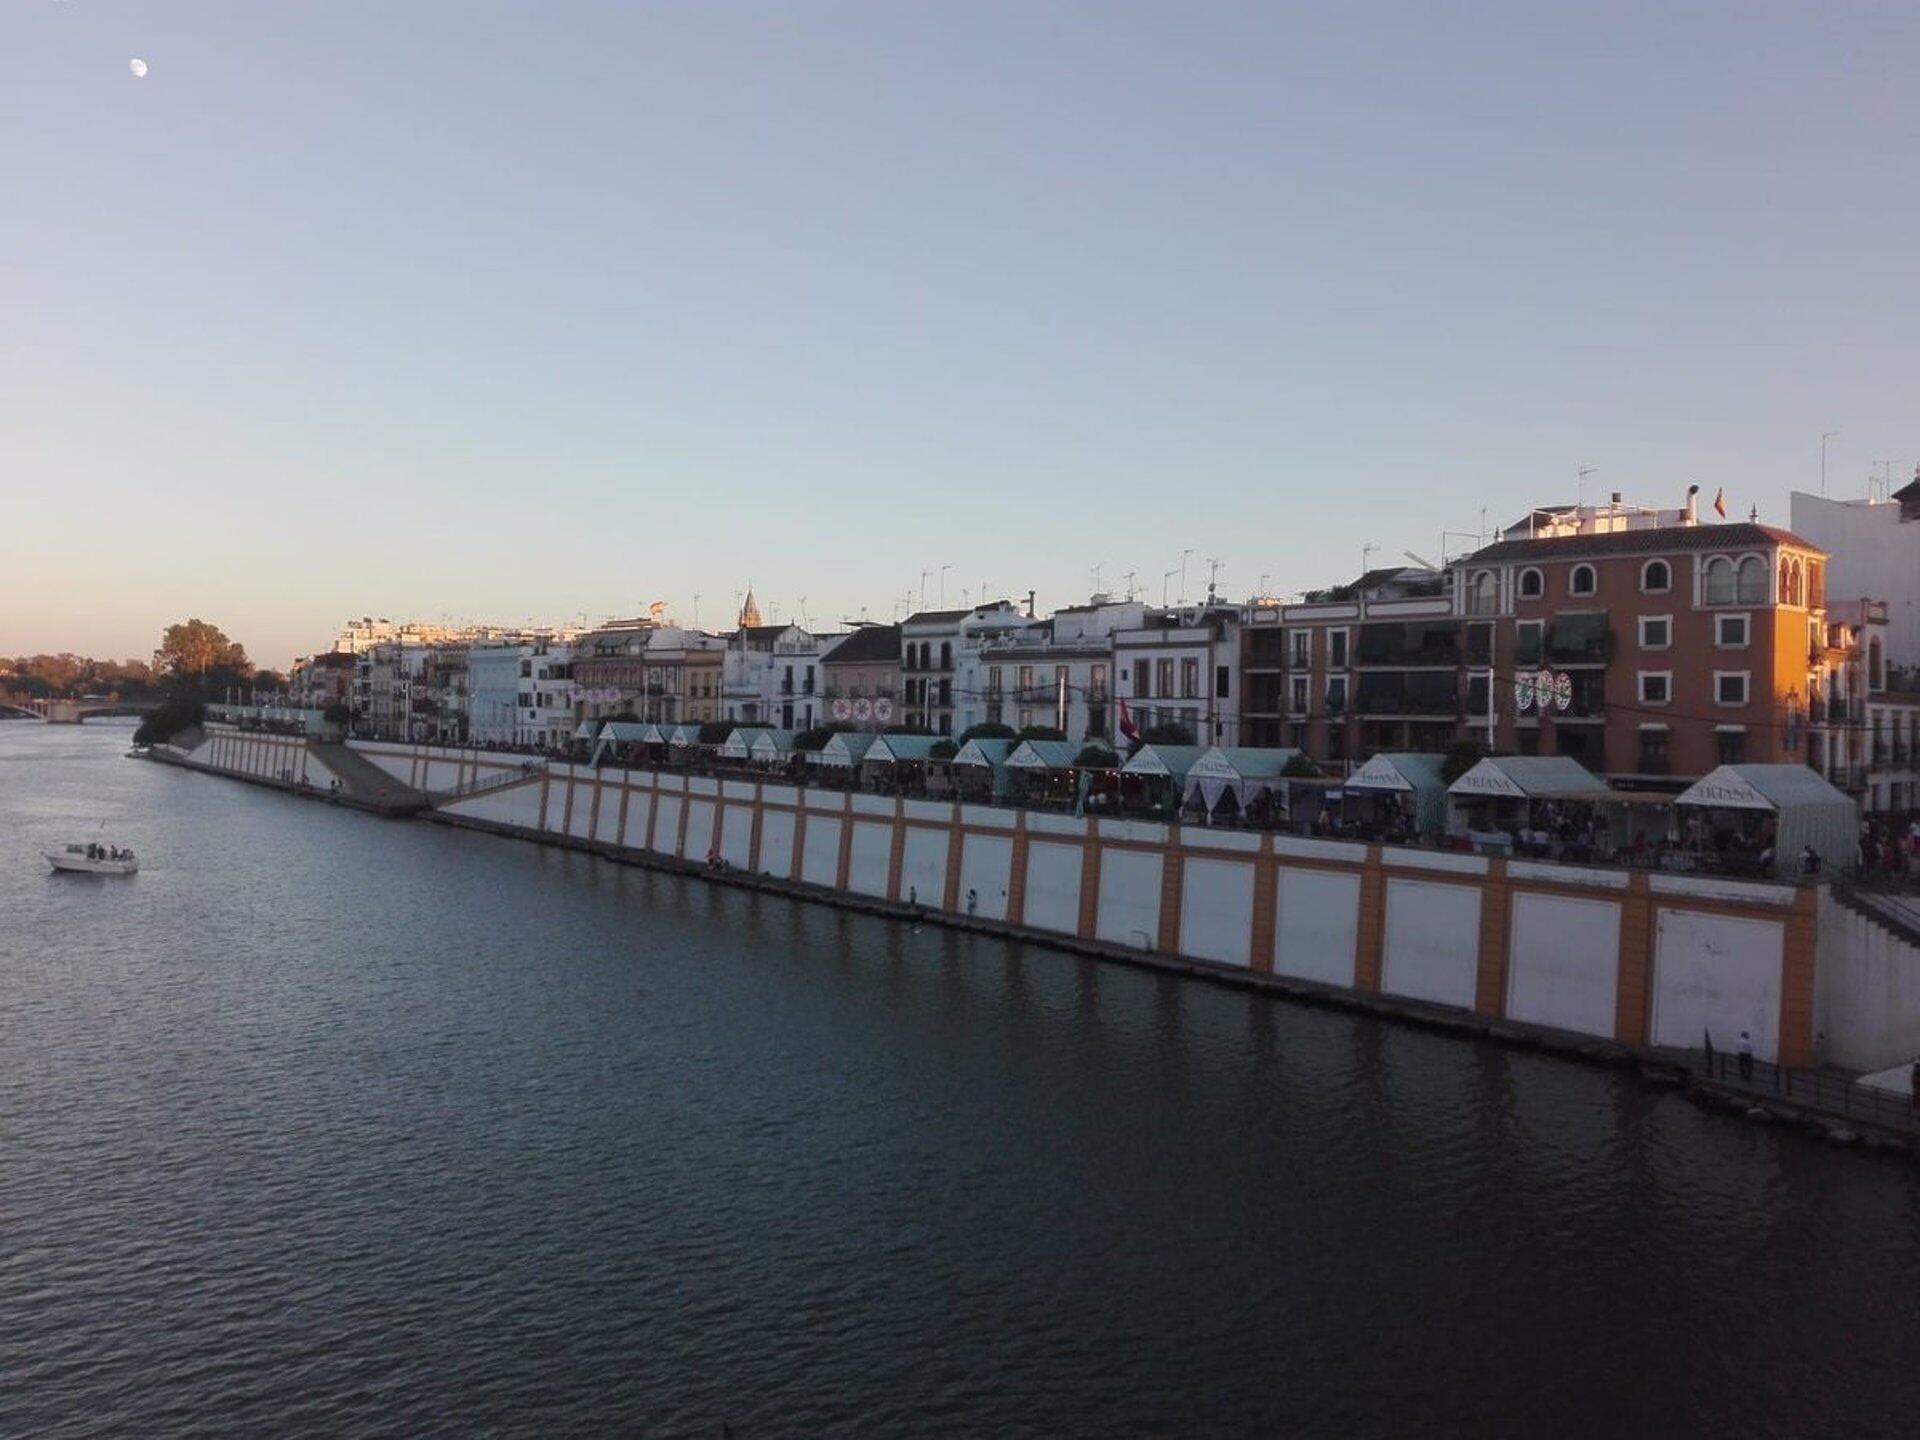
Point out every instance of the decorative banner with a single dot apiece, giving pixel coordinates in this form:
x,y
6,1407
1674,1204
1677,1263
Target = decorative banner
x,y
1523,693
1562,690
842,708
863,709
883,710
1543,688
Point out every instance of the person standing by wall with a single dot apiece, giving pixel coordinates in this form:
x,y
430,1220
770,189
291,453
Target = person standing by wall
x,y
1743,1053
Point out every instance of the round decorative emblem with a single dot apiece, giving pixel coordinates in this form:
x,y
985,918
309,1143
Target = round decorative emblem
x,y
883,710
842,708
1562,690
863,709
1523,693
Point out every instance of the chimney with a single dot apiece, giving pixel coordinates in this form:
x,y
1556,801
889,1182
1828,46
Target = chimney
x,y
1030,595
1690,513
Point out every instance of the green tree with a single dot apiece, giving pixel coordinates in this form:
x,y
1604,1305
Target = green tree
x,y
1042,732
1461,757
193,650
988,730
1166,735
1096,756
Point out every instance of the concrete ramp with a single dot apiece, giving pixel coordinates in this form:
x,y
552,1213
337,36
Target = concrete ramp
x,y
367,783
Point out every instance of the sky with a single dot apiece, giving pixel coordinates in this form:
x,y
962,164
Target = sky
x,y
453,309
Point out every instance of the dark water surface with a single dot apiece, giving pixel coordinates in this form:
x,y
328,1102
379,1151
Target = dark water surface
x,y
330,1125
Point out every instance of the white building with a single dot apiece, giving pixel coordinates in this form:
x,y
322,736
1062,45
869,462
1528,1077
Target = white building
x,y
772,677
1181,666
1873,553
522,694
1057,672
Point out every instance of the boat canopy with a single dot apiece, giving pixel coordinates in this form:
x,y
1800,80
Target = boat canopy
x,y
1807,810
1405,772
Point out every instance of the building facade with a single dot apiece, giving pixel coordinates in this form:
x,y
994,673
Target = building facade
x,y
1181,667
861,677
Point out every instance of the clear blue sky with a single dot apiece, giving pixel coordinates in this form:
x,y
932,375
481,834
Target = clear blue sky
x,y
459,308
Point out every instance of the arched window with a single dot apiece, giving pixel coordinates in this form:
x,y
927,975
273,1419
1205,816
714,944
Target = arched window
x,y
1481,594
1656,577
1796,588
1532,584
1582,581
1750,585
1719,588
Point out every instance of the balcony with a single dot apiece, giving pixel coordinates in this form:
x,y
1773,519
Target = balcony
x,y
1406,644
1579,640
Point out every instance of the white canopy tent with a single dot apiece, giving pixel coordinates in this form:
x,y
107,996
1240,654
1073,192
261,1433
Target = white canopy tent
x,y
846,749
772,747
899,749
1242,771
984,753
1418,777
680,737
1043,755
1170,762
1806,811
739,745
624,732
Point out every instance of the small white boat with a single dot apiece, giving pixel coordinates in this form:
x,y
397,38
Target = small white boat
x,y
93,860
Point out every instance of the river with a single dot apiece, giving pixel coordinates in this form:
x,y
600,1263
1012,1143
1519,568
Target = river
x,y
330,1125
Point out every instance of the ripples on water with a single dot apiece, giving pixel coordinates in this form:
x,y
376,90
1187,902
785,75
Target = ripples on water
x,y
328,1125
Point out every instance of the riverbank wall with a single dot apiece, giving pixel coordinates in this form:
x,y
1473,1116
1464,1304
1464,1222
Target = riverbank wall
x,y
1642,960
1598,961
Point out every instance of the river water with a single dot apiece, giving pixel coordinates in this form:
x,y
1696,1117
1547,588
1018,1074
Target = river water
x,y
329,1125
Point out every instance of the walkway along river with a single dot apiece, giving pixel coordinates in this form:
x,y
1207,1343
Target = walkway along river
x,y
327,1125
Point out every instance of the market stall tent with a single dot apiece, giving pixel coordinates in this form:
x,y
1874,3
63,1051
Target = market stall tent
x,y
1043,755
1528,777
896,749
683,736
770,747
984,753
845,749
1807,810
1169,761
1406,773
1242,771
625,732
739,745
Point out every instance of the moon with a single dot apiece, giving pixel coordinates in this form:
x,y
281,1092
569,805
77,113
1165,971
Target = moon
x,y
139,69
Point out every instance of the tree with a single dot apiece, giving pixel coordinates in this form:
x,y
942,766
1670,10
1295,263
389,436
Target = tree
x,y
193,649
988,730
1042,732
168,721
1166,735
716,732
1095,756
942,750
1299,767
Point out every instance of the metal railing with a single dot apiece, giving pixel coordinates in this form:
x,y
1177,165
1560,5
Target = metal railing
x,y
1816,1089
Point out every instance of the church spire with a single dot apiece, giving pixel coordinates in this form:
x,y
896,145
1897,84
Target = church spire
x,y
749,612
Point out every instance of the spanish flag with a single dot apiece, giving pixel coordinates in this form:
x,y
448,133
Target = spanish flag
x,y
1720,502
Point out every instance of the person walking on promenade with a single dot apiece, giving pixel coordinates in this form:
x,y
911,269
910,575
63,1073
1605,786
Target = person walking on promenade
x,y
1743,1053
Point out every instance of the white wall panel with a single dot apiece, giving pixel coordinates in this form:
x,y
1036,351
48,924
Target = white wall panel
x,y
1053,886
820,865
776,843
699,839
986,868
1129,911
1716,974
517,806
1563,963
923,866
1432,943
639,807
736,836
580,822
871,856
1316,925
666,825
1216,910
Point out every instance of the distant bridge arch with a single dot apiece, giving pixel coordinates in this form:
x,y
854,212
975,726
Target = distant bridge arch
x,y
73,712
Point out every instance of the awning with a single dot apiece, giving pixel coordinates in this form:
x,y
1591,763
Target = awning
x,y
1043,755
984,754
1806,810
1407,773
845,749
1528,777
1169,760
898,749
1242,771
